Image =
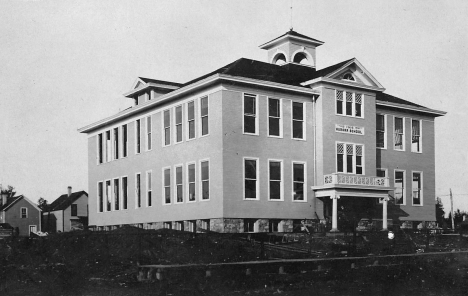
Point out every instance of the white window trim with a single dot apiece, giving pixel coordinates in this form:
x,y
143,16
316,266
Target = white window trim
x,y
257,115
136,136
304,125
105,195
136,196
354,158
21,213
186,120
97,195
181,124
150,172
353,106
385,132
163,133
404,185
116,149
257,163
164,186
420,135
187,183
421,191
97,148
181,166
113,194
108,158
148,143
404,133
280,118
200,187
281,181
122,141
200,129
305,180
121,191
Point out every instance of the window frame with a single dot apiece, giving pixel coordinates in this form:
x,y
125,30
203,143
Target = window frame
x,y
420,135
403,184
124,138
124,190
304,183
74,208
403,140
280,118
100,148
25,213
187,130
179,125
149,133
421,189
115,143
116,194
200,196
176,191
303,121
345,161
138,136
168,186
166,130
102,196
108,195
270,160
149,188
256,133
188,180
257,175
353,104
138,203
202,116
384,131
108,145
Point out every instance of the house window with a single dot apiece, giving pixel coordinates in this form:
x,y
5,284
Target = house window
x,y
275,225
298,120
167,186
274,117
417,189
191,182
381,134
167,225
179,225
191,119
167,127
149,189
250,225
116,194
415,135
349,158
74,210
276,184
399,134
100,159
400,187
116,143
138,136
178,119
124,140
124,193
138,190
250,179
108,146
148,133
358,105
108,195
100,197
205,180
205,224
250,114
339,102
298,181
179,184
24,212
349,103
204,115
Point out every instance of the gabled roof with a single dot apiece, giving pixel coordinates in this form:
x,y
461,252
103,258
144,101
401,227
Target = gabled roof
x,y
13,200
292,35
64,201
149,80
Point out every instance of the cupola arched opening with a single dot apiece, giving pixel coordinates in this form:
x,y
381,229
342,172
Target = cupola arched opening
x,y
279,59
348,76
301,58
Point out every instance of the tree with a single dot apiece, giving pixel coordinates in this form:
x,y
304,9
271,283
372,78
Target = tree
x,y
440,213
9,191
43,204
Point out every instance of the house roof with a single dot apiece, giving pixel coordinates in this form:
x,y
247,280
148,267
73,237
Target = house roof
x,y
11,201
293,33
149,80
383,97
64,201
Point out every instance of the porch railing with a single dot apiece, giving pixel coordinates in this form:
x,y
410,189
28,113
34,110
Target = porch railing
x,y
345,179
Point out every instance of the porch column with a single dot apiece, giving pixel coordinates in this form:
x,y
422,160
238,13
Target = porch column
x,y
335,198
384,214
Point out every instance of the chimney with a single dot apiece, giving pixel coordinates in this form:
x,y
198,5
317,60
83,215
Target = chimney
x,y
3,199
69,190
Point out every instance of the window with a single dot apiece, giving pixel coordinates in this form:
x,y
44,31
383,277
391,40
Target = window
x,y
148,133
204,115
116,143
124,193
108,146
116,194
149,189
275,225
415,135
400,187
205,180
298,120
250,225
417,188
399,134
205,224
167,225
250,114
24,212
192,226
108,195
100,197
276,184
349,103
349,158
124,140
178,119
348,76
191,119
167,127
179,184
138,190
100,159
191,182
274,118
250,179
138,136
179,225
298,181
381,134
167,186
74,210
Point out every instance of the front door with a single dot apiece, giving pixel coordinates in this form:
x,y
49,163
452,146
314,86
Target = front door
x,y
32,228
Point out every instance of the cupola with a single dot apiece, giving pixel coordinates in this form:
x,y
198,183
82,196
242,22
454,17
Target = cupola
x,y
292,47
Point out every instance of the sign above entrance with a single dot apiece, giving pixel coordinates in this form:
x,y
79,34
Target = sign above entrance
x,y
349,129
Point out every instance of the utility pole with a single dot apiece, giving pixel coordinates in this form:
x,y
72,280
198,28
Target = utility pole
x,y
451,204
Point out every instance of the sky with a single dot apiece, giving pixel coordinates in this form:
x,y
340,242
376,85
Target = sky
x,y
65,64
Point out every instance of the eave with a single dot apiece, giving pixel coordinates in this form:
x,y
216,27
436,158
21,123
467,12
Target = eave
x,y
342,83
149,85
411,108
281,40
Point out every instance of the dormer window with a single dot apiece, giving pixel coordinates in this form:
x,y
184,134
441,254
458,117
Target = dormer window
x,y
279,60
301,58
348,76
